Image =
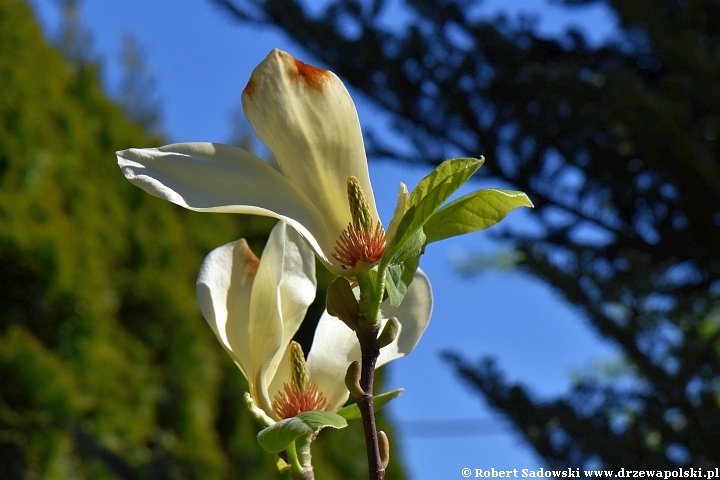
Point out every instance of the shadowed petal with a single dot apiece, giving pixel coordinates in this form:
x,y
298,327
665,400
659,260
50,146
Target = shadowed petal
x,y
335,346
223,287
414,315
253,306
282,376
284,287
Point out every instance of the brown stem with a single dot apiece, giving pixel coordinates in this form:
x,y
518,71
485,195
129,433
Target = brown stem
x,y
370,352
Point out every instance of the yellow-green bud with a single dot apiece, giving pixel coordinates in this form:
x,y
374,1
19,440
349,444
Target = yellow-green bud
x,y
341,302
257,413
352,380
298,367
282,465
384,445
389,332
359,208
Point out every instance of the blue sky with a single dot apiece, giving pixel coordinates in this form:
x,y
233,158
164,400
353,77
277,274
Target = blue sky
x,y
202,61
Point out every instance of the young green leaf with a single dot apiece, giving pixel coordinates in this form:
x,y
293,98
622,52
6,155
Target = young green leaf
x,y
473,212
398,213
398,278
278,436
413,247
430,193
352,412
318,420
458,168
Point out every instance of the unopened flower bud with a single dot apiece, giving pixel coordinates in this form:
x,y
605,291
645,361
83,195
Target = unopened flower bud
x,y
384,445
389,332
352,380
341,302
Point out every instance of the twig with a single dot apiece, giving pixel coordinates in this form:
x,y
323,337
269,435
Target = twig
x,y
370,352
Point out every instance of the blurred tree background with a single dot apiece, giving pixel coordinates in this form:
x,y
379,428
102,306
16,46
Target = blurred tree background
x,y
617,146
107,368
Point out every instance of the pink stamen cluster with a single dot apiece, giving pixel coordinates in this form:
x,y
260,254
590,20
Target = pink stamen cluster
x,y
360,245
292,401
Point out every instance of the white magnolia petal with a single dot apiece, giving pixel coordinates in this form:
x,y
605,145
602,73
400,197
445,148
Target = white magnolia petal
x,y
334,348
297,290
306,117
414,316
223,287
212,177
282,375
284,283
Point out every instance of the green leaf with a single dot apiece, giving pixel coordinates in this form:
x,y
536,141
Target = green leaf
x,y
449,169
412,248
398,279
398,213
318,420
277,437
352,412
431,192
473,212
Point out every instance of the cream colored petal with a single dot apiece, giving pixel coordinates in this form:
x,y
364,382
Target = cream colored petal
x,y
223,289
334,348
282,376
306,117
414,315
283,289
211,177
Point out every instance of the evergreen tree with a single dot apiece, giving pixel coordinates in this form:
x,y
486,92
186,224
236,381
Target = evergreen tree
x,y
137,93
73,40
107,368
617,146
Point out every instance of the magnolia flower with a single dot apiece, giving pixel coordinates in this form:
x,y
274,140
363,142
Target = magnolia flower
x,y
306,117
255,306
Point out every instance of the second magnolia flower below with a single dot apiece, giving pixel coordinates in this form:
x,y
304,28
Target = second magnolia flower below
x,y
255,306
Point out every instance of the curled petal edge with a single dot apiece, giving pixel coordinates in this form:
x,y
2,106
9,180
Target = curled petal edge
x,y
212,177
